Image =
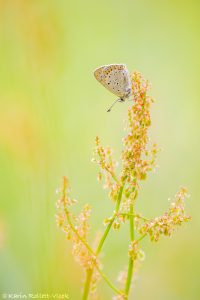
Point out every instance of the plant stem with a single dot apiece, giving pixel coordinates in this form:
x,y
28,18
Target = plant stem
x,y
141,237
112,174
104,236
87,284
88,281
134,215
90,271
100,245
110,284
117,206
129,276
78,235
131,262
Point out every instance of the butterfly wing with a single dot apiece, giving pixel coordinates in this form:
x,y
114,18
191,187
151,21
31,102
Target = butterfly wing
x,y
115,78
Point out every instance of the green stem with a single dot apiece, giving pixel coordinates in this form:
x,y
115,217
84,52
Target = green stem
x,y
104,236
112,175
134,215
89,271
131,262
129,276
109,283
117,206
87,284
141,237
78,235
101,243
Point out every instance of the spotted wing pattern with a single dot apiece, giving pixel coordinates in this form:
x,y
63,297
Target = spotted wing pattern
x,y
115,78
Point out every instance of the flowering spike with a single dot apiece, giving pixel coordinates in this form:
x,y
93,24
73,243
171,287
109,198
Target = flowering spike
x,y
138,158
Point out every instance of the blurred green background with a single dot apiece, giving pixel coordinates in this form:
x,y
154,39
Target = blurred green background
x,y
51,108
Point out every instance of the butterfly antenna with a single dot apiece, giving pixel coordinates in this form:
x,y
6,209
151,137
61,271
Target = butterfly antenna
x,y
118,100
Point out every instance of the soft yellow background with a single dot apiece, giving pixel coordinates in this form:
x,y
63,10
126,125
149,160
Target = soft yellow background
x,y
51,108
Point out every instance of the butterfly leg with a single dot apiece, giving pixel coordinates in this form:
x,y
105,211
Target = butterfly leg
x,y
118,100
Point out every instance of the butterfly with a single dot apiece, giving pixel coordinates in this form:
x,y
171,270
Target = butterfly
x,y
116,79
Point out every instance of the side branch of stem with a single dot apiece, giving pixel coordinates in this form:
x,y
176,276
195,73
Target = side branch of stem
x,y
101,243
90,271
